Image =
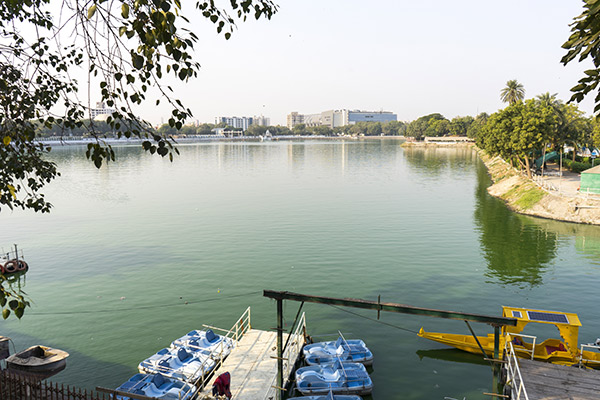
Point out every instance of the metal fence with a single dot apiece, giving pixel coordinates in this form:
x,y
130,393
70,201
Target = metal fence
x,y
20,386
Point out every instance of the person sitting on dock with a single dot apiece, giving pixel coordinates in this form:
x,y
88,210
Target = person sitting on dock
x,y
221,385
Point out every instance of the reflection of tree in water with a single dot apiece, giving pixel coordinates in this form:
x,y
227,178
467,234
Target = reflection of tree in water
x,y
431,161
516,249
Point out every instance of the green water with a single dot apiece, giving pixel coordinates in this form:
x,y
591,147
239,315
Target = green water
x,y
139,253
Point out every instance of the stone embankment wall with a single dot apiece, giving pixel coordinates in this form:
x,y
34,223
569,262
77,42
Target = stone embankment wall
x,y
524,196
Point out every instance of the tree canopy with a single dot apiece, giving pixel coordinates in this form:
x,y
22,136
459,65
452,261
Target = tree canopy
x,y
513,92
585,42
127,48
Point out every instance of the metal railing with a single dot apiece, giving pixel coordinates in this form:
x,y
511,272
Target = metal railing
x,y
513,374
509,338
587,361
294,347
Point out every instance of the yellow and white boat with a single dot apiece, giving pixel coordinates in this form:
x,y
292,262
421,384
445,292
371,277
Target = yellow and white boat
x,y
563,351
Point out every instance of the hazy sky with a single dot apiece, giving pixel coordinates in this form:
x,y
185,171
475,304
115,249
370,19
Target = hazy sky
x,y
409,57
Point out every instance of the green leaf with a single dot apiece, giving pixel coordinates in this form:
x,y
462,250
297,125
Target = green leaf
x,y
125,10
138,61
5,313
13,304
91,11
19,312
6,140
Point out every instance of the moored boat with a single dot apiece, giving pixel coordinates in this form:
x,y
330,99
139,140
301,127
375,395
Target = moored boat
x,y
157,386
179,363
338,378
11,262
38,360
328,396
341,349
218,345
563,350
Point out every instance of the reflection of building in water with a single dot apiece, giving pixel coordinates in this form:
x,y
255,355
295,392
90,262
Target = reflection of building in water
x,y
336,118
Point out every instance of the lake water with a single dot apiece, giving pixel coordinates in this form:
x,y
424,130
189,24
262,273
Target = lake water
x,y
142,251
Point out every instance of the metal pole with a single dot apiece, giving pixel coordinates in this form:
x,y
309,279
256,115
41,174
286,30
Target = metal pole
x,y
280,348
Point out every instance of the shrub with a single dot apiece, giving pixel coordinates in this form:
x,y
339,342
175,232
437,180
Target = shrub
x,y
577,167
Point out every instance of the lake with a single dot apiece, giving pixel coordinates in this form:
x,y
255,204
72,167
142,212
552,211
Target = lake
x,y
142,251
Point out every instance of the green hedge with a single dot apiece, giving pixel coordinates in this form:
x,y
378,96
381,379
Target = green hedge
x,y
577,167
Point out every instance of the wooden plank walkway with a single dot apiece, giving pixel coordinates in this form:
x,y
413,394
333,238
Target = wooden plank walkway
x,y
546,381
252,365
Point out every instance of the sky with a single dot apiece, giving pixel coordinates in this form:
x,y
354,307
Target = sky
x,y
410,57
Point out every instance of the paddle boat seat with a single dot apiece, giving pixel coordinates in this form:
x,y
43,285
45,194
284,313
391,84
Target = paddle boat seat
x,y
179,363
219,346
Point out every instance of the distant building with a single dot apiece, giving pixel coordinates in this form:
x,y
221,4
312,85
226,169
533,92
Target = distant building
x,y
235,122
261,121
100,109
335,118
294,119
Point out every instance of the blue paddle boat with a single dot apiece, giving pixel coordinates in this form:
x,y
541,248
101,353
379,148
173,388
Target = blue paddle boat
x,y
219,346
339,378
180,363
158,386
328,396
342,349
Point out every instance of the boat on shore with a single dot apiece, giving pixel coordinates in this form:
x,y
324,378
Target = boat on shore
x,y
563,350
39,360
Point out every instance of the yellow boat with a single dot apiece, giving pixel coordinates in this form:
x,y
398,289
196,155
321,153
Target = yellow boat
x,y
563,351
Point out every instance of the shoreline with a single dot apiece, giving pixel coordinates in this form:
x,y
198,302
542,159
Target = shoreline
x,y
524,196
66,141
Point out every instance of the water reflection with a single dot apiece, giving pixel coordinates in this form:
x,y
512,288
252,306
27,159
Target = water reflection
x,y
516,249
432,161
587,237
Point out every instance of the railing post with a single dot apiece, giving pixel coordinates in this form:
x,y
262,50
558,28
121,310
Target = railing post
x,y
279,348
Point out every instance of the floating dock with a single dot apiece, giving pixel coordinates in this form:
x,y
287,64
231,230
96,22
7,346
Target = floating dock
x,y
550,381
528,379
252,364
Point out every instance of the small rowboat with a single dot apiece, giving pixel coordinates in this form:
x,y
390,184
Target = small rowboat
x,y
39,360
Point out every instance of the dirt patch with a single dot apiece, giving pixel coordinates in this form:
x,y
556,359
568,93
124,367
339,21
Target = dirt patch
x,y
524,196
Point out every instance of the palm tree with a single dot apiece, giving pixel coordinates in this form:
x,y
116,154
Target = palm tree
x,y
512,93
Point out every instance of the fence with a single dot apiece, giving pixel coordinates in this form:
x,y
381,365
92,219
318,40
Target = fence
x,y
20,386
514,380
294,347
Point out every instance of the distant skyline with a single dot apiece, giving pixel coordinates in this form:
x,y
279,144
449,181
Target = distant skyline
x,y
410,58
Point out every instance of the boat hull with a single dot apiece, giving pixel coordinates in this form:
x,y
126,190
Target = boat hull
x,y
550,350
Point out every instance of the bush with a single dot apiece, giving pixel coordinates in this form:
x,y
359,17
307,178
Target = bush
x,y
567,163
577,167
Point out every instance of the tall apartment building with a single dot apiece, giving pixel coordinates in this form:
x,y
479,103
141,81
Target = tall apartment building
x,y
261,121
235,122
294,119
335,118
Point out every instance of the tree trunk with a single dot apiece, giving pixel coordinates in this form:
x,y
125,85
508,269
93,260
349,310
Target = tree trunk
x,y
527,167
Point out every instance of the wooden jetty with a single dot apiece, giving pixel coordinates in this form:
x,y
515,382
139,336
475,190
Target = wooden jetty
x,y
537,380
551,381
252,364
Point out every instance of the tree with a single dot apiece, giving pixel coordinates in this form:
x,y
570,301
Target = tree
x,y
459,126
475,128
513,92
517,131
130,46
394,128
299,129
425,126
584,43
